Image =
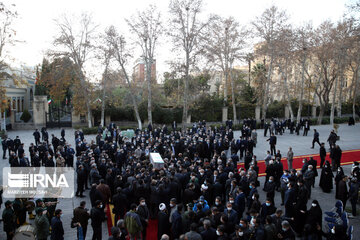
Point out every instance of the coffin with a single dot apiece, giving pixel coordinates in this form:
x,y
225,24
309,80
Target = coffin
x,y
156,160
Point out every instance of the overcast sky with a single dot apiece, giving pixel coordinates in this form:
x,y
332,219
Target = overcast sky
x,y
35,25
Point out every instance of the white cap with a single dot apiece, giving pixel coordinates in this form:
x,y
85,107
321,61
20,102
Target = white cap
x,y
162,206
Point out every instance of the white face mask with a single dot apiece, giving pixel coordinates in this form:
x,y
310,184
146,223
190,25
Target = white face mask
x,y
229,209
313,204
143,203
333,231
241,234
253,197
217,233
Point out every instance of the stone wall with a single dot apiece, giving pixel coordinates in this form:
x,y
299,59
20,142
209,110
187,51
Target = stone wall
x,y
40,108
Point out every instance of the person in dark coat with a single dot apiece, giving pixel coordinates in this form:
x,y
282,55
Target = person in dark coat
x,y
82,216
119,200
322,154
57,230
337,156
300,207
343,193
326,178
8,217
95,195
176,222
144,214
4,147
354,194
338,177
163,221
316,138
81,178
314,216
97,216
209,233
267,209
272,142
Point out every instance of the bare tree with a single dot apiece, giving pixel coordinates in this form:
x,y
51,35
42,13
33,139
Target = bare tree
x,y
148,28
223,45
325,65
77,43
105,54
267,26
185,30
284,48
7,34
122,55
302,41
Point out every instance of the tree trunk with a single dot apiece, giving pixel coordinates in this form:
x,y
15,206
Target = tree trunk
x,y
148,78
86,96
284,75
298,117
133,99
267,88
225,86
356,76
186,86
321,114
233,97
103,98
333,102
340,95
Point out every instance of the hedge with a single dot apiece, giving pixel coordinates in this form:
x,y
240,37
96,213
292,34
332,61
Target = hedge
x,y
25,116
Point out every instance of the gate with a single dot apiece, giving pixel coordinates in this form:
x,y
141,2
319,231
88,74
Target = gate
x,y
58,116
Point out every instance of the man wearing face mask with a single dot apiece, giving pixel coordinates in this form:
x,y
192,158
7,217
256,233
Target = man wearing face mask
x,y
240,202
269,188
290,200
286,232
143,212
257,231
97,216
220,232
267,209
219,204
253,190
231,213
309,179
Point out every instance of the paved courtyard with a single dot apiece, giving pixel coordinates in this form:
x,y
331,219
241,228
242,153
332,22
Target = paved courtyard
x,y
349,139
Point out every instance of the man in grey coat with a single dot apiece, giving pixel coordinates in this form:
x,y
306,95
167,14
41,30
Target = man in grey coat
x,y
290,156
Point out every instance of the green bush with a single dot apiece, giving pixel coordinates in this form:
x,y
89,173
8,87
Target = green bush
x,y
88,131
276,110
25,116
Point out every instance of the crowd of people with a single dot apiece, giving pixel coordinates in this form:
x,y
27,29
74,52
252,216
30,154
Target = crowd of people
x,y
199,192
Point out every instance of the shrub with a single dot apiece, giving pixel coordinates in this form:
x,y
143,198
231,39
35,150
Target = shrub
x,y
25,116
88,131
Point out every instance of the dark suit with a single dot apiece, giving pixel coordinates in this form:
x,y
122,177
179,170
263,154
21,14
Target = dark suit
x,y
289,200
209,234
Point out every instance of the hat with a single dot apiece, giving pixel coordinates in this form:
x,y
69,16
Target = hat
x,y
173,200
162,206
204,187
356,163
